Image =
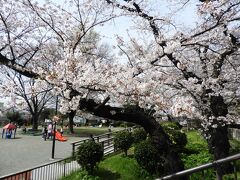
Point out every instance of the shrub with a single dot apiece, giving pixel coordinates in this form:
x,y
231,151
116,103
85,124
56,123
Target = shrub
x,y
196,153
129,124
139,135
117,123
171,125
123,140
148,157
123,125
89,154
200,158
178,138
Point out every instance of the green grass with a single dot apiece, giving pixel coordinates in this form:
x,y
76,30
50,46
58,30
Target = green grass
x,y
79,175
235,146
30,132
116,167
196,153
124,168
120,167
196,141
86,131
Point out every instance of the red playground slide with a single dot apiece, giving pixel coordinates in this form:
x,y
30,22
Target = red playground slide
x,y
59,137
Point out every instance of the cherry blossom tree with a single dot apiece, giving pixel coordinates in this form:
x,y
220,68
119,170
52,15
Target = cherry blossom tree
x,y
38,39
28,94
203,62
168,65
81,69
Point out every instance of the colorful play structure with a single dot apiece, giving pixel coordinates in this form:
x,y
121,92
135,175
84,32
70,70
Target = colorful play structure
x,y
59,137
9,130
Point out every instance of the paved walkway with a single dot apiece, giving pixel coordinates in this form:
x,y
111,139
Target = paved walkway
x,y
29,151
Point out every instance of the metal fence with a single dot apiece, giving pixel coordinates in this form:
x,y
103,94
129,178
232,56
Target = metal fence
x,y
105,139
50,171
205,167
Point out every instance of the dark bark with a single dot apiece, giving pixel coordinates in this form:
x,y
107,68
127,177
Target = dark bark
x,y
71,115
219,146
219,143
218,107
137,115
34,122
17,67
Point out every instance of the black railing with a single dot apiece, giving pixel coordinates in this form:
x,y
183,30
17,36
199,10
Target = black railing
x,y
105,139
202,168
50,171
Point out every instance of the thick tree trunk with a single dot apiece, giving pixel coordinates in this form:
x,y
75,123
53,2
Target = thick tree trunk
x,y
219,146
34,122
71,123
162,142
151,126
219,143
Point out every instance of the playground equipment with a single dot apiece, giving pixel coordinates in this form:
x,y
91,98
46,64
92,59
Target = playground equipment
x,y
59,137
8,130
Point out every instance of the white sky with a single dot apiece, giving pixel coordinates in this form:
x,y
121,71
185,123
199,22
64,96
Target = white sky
x,y
186,16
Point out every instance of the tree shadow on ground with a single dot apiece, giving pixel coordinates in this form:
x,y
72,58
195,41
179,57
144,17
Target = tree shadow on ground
x,y
106,174
16,138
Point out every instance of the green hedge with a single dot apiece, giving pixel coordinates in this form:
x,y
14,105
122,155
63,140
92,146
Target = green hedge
x,y
148,157
89,154
123,141
139,135
173,130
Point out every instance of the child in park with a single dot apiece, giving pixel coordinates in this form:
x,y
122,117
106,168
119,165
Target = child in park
x,y
61,131
49,131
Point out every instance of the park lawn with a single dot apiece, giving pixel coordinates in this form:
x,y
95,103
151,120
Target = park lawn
x,y
124,168
86,131
196,153
120,167
197,148
113,168
30,132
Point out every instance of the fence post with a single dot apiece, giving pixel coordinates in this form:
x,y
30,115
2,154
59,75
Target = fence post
x,y
64,168
73,149
203,175
102,144
108,138
218,175
235,170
